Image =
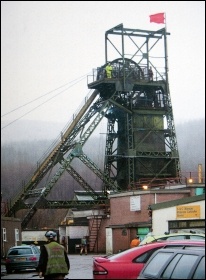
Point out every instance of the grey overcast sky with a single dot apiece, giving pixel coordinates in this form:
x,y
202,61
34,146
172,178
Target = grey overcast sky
x,y
48,44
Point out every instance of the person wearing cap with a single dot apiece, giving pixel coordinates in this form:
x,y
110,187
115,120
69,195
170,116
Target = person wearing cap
x,y
135,242
53,261
108,70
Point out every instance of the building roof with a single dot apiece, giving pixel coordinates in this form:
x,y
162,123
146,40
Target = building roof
x,y
176,202
84,195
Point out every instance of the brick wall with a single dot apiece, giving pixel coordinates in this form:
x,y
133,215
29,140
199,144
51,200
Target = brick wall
x,y
125,222
120,207
10,224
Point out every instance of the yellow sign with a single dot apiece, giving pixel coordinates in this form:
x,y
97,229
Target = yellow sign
x,y
187,212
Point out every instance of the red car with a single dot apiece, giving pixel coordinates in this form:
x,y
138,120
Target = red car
x,y
128,264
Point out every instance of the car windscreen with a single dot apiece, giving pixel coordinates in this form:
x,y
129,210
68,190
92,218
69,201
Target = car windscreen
x,y
20,251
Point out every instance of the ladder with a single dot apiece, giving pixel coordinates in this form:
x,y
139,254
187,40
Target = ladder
x,y
94,226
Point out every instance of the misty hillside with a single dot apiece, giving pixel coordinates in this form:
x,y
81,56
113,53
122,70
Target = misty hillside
x,y
191,144
29,131
24,145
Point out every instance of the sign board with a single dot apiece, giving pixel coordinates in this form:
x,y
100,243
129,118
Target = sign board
x,y
135,203
184,211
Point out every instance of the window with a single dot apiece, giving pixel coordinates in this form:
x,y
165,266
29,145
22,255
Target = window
x,y
161,258
187,224
4,234
14,252
200,271
195,237
170,267
182,270
179,237
144,257
16,234
23,251
36,250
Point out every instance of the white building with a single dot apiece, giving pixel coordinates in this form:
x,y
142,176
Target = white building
x,y
183,214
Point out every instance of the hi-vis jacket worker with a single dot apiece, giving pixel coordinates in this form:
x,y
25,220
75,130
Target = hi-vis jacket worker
x,y
135,242
108,70
53,262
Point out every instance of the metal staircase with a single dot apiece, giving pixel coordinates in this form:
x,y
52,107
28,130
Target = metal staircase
x,y
94,226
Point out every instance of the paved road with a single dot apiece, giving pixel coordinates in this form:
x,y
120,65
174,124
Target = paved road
x,y
81,268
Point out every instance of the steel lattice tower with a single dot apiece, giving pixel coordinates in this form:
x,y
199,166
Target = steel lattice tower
x,y
141,146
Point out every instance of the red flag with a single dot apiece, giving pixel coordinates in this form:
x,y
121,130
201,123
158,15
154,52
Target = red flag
x,y
157,18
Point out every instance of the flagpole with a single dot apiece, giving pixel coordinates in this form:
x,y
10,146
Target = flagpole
x,y
166,54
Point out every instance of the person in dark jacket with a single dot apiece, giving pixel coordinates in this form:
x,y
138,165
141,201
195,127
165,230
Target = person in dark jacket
x,y
150,72
83,245
53,262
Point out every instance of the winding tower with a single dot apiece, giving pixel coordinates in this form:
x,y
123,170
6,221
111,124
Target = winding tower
x,y
141,147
